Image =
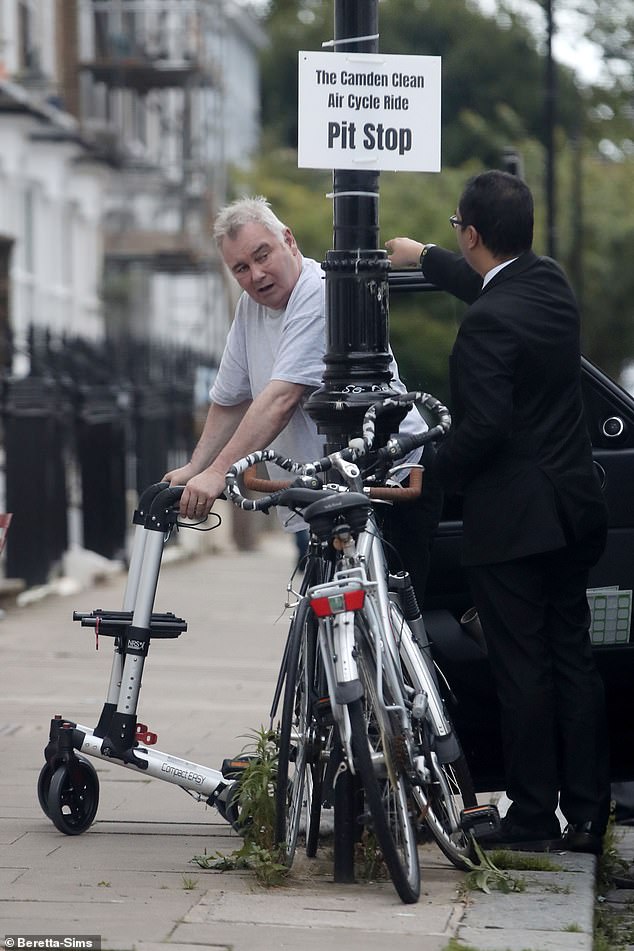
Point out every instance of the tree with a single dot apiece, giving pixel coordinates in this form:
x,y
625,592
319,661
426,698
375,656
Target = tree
x,y
493,92
492,71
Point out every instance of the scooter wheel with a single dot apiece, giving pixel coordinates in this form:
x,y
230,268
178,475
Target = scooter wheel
x,y
43,787
73,796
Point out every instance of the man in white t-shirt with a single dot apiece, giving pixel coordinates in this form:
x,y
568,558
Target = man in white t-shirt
x,y
272,361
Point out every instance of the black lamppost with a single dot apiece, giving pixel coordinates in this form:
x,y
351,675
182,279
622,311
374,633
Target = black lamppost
x,y
357,336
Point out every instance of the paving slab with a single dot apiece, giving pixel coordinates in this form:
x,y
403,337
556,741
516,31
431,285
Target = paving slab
x,y
554,911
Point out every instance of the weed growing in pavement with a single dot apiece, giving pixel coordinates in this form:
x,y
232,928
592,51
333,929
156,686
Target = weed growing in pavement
x,y
369,863
189,883
485,875
558,889
256,802
613,924
522,862
613,930
610,863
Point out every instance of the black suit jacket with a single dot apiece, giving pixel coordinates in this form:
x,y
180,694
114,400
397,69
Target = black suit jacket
x,y
519,450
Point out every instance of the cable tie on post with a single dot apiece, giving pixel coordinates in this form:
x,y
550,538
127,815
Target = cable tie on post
x,y
350,39
352,194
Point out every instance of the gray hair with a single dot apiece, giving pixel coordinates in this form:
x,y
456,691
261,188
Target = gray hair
x,y
232,218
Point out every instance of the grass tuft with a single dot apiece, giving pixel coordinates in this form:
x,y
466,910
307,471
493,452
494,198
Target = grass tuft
x,y
256,801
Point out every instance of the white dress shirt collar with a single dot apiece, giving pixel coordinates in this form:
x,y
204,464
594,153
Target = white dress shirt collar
x,y
496,270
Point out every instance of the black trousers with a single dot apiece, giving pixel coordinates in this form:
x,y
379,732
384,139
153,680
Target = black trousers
x,y
535,617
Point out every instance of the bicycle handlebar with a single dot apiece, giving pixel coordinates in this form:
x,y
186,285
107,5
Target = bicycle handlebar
x,y
396,447
427,401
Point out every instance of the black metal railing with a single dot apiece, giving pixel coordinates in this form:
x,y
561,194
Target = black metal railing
x,y
93,419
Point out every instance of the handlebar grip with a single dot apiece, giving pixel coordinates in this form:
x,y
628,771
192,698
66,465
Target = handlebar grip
x,y
145,500
170,495
399,446
166,500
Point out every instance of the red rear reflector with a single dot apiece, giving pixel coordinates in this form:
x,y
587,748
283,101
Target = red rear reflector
x,y
321,607
354,599
336,603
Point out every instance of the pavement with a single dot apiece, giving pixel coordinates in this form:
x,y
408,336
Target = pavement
x,y
131,878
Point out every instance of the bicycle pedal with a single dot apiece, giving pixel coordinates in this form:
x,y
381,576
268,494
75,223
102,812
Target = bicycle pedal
x,y
322,709
145,736
480,820
231,768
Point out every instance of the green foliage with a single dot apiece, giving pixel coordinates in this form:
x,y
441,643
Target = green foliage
x,y
256,799
454,29
493,96
613,927
523,862
606,288
369,863
610,862
485,875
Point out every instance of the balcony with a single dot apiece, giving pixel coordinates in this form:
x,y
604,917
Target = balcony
x,y
147,44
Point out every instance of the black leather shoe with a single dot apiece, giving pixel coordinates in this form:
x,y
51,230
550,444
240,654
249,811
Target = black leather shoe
x,y
520,838
583,837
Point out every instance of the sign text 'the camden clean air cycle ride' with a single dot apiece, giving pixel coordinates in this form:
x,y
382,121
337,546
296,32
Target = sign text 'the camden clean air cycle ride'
x,y
369,111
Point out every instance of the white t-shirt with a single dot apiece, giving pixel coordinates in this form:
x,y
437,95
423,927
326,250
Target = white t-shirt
x,y
288,345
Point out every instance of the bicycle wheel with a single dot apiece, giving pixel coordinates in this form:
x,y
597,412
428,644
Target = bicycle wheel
x,y
446,787
322,738
448,790
298,731
380,758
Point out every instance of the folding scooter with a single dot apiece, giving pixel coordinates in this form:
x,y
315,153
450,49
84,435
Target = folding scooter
x,y
68,786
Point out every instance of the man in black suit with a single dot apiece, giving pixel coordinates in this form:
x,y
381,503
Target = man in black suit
x,y
534,515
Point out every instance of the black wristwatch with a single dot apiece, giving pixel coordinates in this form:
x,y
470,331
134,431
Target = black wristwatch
x,y
426,248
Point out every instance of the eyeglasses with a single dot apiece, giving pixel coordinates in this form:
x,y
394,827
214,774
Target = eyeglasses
x,y
455,222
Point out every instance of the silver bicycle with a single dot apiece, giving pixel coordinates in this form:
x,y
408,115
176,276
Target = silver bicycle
x,y
360,689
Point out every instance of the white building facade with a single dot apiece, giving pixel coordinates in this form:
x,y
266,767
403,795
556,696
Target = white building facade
x,y
118,119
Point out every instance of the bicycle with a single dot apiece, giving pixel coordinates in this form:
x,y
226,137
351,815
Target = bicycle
x,y
361,692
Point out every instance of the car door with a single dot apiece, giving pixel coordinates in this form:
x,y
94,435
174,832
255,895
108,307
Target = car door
x,y
471,696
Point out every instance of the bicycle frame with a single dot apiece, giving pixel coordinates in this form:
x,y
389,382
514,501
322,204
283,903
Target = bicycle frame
x,y
402,644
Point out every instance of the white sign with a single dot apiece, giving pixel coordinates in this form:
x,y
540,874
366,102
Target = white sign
x,y
369,111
